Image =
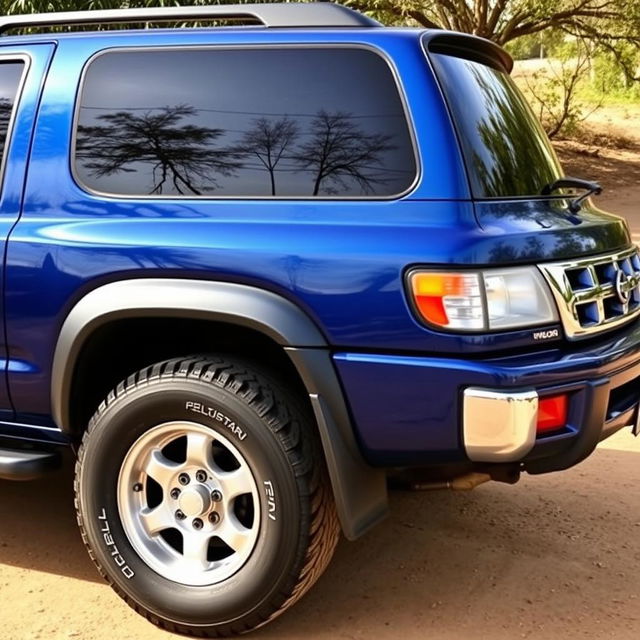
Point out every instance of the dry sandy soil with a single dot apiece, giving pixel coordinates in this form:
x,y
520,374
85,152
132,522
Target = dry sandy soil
x,y
553,557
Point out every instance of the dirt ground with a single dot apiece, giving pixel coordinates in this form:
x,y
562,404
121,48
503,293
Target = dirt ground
x,y
618,171
553,557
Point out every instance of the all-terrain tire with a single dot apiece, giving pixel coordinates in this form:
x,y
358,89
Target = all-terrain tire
x,y
271,430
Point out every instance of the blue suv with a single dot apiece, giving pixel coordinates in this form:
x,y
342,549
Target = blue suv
x,y
252,272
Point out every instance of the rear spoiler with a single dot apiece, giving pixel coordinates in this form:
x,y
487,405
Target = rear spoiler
x,y
462,45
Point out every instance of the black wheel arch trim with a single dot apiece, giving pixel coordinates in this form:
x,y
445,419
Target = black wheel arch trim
x,y
359,490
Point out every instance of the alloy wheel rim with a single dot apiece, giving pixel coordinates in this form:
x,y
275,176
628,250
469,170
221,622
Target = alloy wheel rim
x,y
188,503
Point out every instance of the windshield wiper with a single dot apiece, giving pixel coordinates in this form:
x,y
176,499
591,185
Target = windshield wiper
x,y
591,189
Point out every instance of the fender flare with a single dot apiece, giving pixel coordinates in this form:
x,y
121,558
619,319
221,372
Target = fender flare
x,y
359,489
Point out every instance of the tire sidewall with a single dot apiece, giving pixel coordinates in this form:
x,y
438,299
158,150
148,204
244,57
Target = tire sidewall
x,y
277,553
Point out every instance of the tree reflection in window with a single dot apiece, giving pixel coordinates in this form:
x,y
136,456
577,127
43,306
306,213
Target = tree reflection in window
x,y
10,75
177,151
506,151
6,108
339,150
505,137
268,140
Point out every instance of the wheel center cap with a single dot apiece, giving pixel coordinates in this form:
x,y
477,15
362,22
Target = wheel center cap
x,y
194,501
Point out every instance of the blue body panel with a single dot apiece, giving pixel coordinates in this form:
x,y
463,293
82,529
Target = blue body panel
x,y
341,262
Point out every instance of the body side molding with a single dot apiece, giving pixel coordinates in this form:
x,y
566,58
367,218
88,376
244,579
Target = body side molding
x,y
359,490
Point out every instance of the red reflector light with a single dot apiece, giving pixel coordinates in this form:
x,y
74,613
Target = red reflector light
x,y
552,413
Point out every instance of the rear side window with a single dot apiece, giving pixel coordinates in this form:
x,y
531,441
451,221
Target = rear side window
x,y
10,76
288,122
505,149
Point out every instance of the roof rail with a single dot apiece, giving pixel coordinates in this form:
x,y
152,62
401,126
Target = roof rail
x,y
295,14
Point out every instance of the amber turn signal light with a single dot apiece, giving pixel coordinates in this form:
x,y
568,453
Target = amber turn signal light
x,y
451,300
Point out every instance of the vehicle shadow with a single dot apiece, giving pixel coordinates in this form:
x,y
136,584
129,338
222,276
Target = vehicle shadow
x,y
556,548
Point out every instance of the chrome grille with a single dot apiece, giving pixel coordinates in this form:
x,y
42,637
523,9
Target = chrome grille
x,y
596,294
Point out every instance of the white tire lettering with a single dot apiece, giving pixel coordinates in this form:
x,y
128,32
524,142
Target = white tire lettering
x,y
271,499
218,416
105,529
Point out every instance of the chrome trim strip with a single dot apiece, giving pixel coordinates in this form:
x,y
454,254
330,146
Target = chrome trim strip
x,y
499,427
596,292
24,425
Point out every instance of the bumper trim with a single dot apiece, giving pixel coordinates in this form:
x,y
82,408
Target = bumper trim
x,y
499,426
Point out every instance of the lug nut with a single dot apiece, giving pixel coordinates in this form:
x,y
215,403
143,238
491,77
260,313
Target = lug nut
x,y
180,515
184,479
201,476
137,487
175,493
214,517
197,523
216,496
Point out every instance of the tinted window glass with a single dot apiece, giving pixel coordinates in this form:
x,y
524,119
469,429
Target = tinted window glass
x,y
256,122
10,75
506,151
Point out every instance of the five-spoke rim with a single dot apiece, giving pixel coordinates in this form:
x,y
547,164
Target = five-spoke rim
x,y
188,503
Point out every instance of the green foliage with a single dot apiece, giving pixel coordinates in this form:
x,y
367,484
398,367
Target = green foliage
x,y
547,95
44,6
609,76
537,45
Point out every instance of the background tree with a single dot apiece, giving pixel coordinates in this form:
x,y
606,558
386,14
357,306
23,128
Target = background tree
x,y
268,140
505,20
553,90
612,25
176,152
338,150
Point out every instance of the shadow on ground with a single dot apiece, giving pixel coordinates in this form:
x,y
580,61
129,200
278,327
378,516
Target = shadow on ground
x,y
554,550
613,168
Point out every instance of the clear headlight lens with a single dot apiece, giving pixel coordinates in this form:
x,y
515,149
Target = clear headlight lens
x,y
518,298
497,299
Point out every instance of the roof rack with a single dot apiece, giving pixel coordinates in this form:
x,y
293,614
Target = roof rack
x,y
296,14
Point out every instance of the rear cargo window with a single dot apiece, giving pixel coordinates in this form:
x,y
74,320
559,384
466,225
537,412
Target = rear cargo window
x,y
287,122
10,76
505,149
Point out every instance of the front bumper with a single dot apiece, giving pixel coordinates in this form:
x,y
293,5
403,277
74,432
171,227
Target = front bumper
x,y
408,411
